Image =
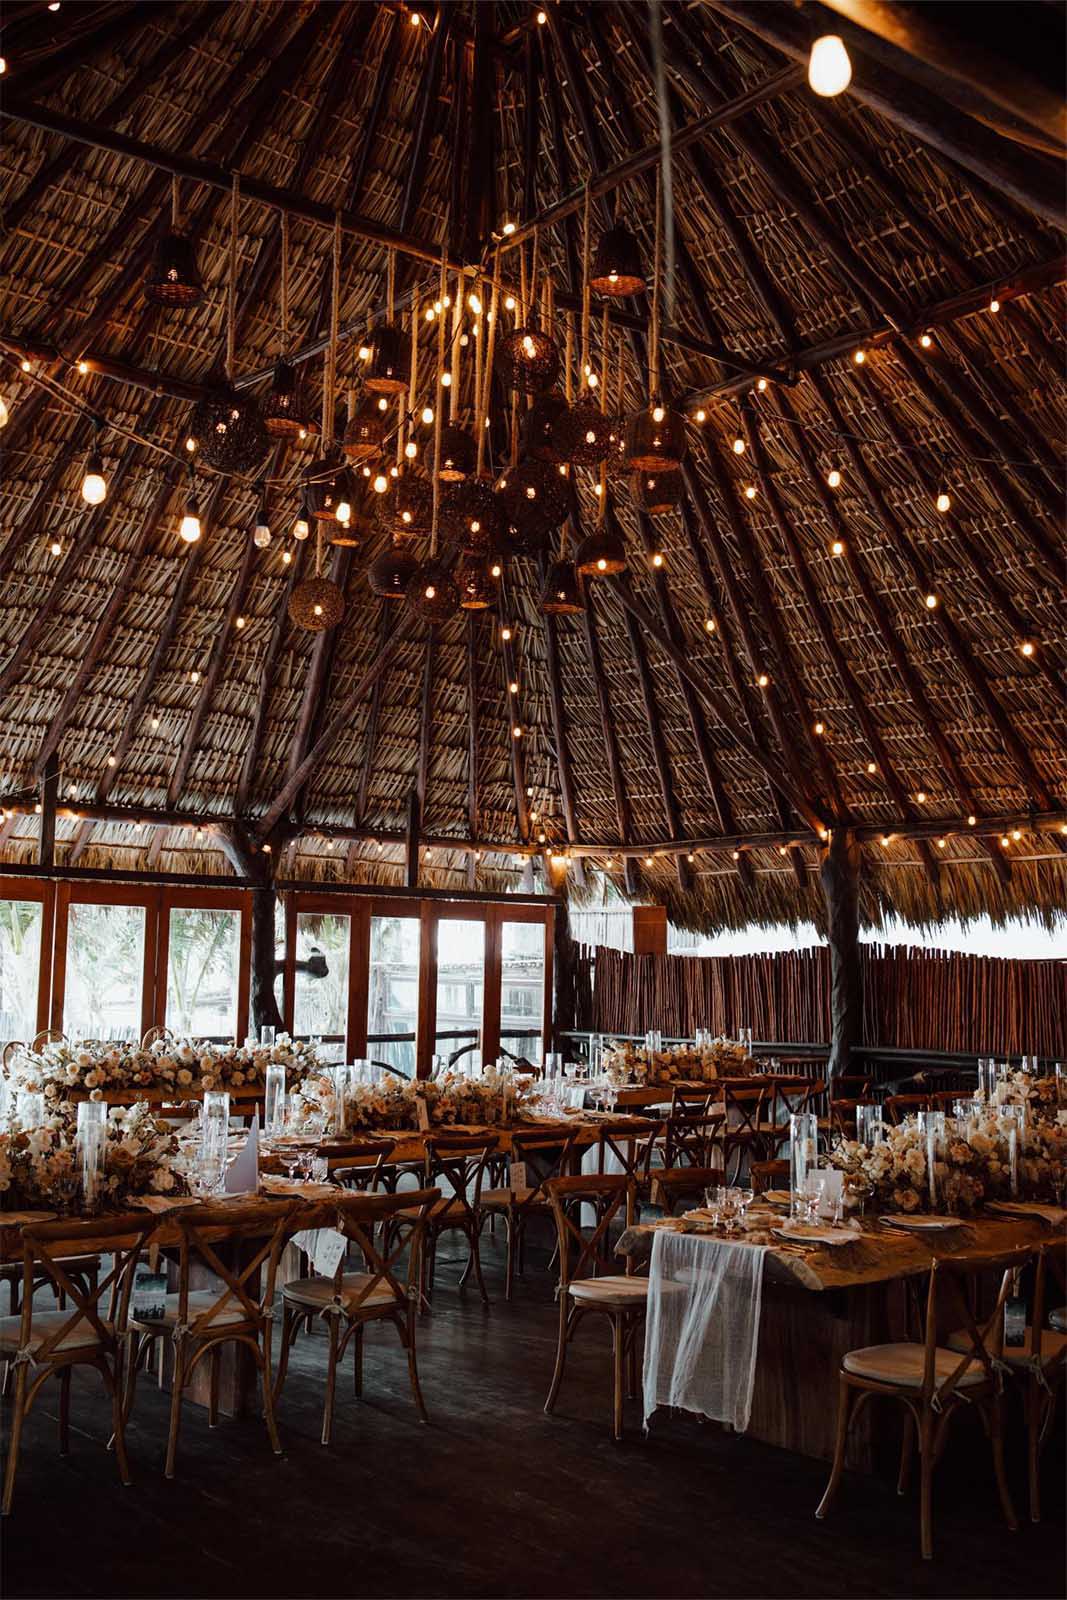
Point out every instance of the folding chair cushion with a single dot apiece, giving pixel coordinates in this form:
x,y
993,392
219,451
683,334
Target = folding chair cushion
x,y
82,1336
610,1291
902,1364
314,1293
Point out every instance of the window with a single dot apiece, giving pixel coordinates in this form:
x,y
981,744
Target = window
x,y
105,972
460,980
522,988
203,953
393,992
323,941
20,962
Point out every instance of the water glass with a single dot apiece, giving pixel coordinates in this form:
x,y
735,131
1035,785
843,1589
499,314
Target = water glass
x,y
267,1035
1061,1084
987,1078
214,1137
811,1198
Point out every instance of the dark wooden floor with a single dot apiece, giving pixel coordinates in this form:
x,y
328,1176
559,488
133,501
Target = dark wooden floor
x,y
494,1498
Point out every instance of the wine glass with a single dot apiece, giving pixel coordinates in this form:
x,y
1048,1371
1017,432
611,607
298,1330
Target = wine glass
x,y
290,1161
813,1194
745,1198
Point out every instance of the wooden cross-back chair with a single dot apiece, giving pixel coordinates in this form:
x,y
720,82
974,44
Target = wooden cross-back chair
x,y
587,1283
786,1097
1039,1364
526,1195
932,1382
693,1139
627,1141
349,1300
768,1175
695,1099
674,1187
236,1310
899,1106
743,1102
457,1162
42,1344
357,1163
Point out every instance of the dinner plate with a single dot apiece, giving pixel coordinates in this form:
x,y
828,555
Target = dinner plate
x,y
927,1223
811,1233
1027,1208
776,1197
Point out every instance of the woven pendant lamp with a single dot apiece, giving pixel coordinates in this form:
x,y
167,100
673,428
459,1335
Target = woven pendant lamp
x,y
455,454
390,573
657,493
528,359
229,431
284,413
584,434
542,421
432,593
389,370
329,485
617,269
317,603
476,588
601,554
562,595
409,507
470,513
173,278
366,433
533,499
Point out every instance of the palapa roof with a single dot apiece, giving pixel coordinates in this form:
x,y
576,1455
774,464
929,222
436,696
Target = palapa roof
x,y
803,230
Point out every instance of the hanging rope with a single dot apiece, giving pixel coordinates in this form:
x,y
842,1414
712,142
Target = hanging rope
x,y
534,266
585,285
285,283
457,325
487,369
413,381
175,204
390,285
330,368
231,293
605,335
568,359
442,289
664,170
653,335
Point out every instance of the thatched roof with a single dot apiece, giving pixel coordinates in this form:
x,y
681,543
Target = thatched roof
x,y
804,229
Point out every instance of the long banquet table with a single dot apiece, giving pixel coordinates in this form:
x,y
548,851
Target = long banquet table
x,y
820,1303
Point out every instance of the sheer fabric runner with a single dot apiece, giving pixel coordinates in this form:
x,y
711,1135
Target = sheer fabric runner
x,y
702,1330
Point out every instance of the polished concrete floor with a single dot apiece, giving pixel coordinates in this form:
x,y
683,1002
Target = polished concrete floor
x,y
493,1498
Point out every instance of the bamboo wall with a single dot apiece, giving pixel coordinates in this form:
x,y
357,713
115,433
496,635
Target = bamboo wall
x,y
913,999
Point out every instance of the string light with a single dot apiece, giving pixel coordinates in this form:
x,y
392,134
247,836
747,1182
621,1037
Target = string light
x,y
238,622
921,797
364,352
287,556
516,732
508,229
505,634
94,484
302,525
380,484
190,523
885,841
111,761
701,416
1027,647
154,724
542,18
838,547
761,384
971,820
941,844
55,548
829,67
926,340
820,728
738,446
994,305
657,558
859,357
1004,840
931,602
513,687
872,768
736,854
833,478
763,680
750,491
194,676
1016,834
709,624
943,502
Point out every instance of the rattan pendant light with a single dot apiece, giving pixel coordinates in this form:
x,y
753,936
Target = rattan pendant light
x,y
317,603
657,493
389,369
173,278
284,414
232,437
473,583
542,421
655,436
390,574
616,269
562,595
584,432
528,358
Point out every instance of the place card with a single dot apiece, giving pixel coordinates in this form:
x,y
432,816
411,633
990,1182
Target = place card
x,y
242,1175
517,1175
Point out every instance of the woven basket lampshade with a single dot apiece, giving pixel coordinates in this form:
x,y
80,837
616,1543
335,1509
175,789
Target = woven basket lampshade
x,y
528,359
366,433
316,604
283,413
655,439
542,421
469,513
409,507
533,499
562,594
657,492
432,592
476,588
360,525
615,463
329,483
389,368
458,455
617,269
584,434
390,573
174,278
229,431
601,554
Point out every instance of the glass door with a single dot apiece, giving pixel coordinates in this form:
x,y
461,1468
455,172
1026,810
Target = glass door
x,y
393,991
202,978
460,991
26,912
104,985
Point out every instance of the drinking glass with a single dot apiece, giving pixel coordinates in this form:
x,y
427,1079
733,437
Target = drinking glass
x,y
712,1207
267,1034
987,1077
727,1206
803,1149
745,1198
931,1126
811,1196
320,1169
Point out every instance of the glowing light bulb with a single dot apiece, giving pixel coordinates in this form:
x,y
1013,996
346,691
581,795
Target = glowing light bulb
x,y
750,491
261,535
971,820
475,304
529,347
446,380
761,384
941,844
943,502
837,548
738,446
542,18
931,602
859,357
194,676
509,303
190,523
287,556
430,313
111,761
658,414
820,727
364,352
516,732
509,229
833,479
154,724
383,404
380,484
55,548
25,365
926,340
411,450
94,484
495,570
430,591
427,415
829,67
343,512
994,305
301,527
1027,647
513,687
872,768
763,680
239,622
921,797
700,416
601,565
1016,834
709,625
317,610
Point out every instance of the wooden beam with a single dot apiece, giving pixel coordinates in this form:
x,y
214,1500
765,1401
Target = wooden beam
x,y
46,846
337,724
422,769
839,875
609,736
926,117
78,845
425,111
472,739
109,25
411,840
386,616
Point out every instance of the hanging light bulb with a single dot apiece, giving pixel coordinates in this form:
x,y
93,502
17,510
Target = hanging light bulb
x,y
943,502
859,357
750,491
738,446
94,484
3,412
833,478
380,484
302,525
411,450
994,304
190,523
261,533
829,67
427,415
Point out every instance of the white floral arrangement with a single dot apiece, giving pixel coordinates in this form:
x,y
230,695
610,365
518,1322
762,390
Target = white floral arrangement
x,y
724,1058
1039,1095
394,1102
39,1165
176,1066
970,1165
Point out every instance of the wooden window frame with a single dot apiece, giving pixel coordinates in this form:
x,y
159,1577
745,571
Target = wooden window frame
x,y
43,892
222,899
106,894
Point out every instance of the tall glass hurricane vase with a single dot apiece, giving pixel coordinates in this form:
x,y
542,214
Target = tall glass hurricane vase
x,y
803,1153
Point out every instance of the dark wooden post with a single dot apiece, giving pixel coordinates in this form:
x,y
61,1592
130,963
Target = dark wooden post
x,y
839,875
411,850
256,866
46,850
564,959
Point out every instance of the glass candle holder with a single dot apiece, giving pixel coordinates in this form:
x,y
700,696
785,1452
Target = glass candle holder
x,y
267,1034
803,1154
870,1130
340,1076
91,1144
274,1102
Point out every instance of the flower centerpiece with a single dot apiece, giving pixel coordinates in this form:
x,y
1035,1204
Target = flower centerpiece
x,y
722,1058
61,1070
39,1166
394,1102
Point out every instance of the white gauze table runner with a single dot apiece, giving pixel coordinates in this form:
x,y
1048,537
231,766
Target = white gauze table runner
x,y
702,1330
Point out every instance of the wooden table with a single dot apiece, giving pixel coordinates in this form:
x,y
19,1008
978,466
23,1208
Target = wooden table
x,y
855,1297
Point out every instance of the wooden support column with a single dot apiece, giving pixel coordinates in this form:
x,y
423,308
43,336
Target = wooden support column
x,y
258,866
411,844
839,875
650,930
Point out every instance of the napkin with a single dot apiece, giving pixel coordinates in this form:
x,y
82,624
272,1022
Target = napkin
x,y
242,1174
